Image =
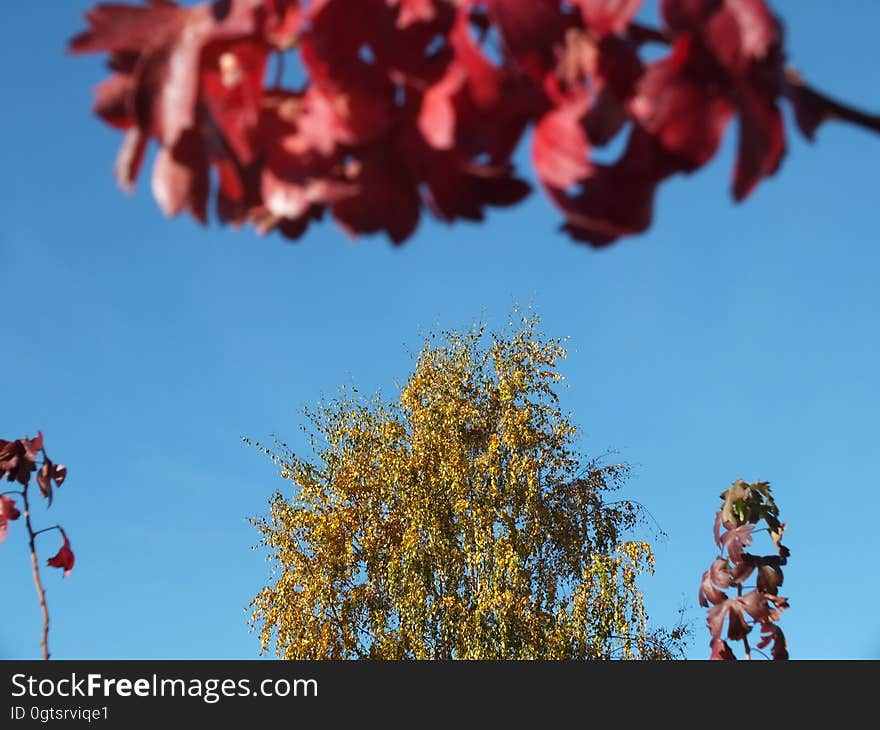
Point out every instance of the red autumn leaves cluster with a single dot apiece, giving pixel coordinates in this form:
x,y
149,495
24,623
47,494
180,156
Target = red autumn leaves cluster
x,y
744,506
406,105
18,462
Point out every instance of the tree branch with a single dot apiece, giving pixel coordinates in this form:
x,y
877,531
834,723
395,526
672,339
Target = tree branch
x,y
748,650
828,108
279,69
35,565
48,529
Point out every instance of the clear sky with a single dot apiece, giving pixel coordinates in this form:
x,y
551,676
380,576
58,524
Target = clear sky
x,y
730,341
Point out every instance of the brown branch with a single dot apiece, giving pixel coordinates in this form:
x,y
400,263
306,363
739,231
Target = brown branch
x,y
640,33
279,69
827,107
48,529
35,565
748,650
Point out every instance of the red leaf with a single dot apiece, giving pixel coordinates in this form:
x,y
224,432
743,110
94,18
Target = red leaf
x,y
437,115
118,27
10,459
530,28
164,88
64,558
683,16
293,195
731,609
301,169
761,607
180,177
617,73
112,100
716,529
708,593
231,87
740,572
772,633
742,41
8,512
687,115
761,142
617,200
735,540
386,196
33,447
769,578
721,650
737,626
18,459
130,158
331,117
475,106
44,479
8,508
59,474
460,189
170,42
560,150
718,576
192,78
348,39
613,203
741,32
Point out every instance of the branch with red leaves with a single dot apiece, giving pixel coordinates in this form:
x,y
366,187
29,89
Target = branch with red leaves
x,y
18,461
413,105
744,506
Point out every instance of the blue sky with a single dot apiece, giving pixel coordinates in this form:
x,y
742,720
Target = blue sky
x,y
730,341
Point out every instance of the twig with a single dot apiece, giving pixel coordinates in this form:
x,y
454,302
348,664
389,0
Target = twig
x,y
828,107
831,108
35,565
279,69
748,650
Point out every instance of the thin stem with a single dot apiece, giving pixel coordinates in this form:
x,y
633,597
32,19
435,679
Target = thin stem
x,y
645,34
279,69
41,592
641,507
748,650
13,491
832,108
48,529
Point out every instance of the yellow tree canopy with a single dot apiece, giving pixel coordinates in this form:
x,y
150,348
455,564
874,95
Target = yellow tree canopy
x,y
458,522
